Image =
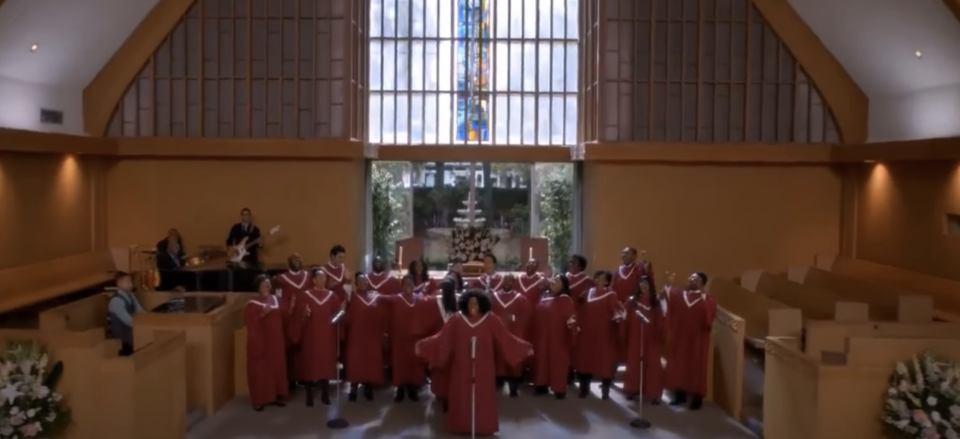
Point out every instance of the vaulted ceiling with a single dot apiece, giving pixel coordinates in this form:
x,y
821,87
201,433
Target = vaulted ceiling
x,y
876,41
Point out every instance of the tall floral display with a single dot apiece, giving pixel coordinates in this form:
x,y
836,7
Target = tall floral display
x,y
29,403
923,400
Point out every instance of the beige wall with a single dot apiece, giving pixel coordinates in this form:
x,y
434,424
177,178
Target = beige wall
x,y
901,218
717,219
316,203
47,204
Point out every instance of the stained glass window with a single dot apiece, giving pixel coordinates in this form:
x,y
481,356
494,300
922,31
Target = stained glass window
x,y
447,72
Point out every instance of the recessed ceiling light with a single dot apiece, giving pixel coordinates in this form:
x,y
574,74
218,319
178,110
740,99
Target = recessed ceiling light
x,y
34,48
919,54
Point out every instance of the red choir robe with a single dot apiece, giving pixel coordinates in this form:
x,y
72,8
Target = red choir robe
x,y
439,377
515,312
690,317
426,288
554,334
316,358
404,329
336,279
487,282
294,282
384,283
625,281
451,350
580,284
266,352
643,340
531,287
598,348
365,326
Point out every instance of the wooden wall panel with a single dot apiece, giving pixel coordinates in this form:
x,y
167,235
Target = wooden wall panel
x,y
245,68
703,71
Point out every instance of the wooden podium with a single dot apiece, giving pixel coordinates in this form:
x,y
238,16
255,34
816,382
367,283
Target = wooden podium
x,y
407,250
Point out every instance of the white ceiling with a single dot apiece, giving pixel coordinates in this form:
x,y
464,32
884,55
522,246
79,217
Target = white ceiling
x,y
874,39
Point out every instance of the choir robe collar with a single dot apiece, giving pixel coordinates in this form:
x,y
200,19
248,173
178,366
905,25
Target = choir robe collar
x,y
376,285
534,281
368,298
691,298
443,312
292,278
625,271
318,296
408,298
267,302
491,281
334,272
576,278
596,294
473,321
506,298
422,287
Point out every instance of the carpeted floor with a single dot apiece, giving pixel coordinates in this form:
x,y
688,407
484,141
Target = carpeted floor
x,y
524,417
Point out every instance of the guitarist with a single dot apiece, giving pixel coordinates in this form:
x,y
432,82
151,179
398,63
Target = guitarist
x,y
247,234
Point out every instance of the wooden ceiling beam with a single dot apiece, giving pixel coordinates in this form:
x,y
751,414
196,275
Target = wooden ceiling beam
x,y
101,96
843,96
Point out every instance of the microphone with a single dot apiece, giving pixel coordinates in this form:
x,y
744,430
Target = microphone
x,y
338,317
473,348
642,317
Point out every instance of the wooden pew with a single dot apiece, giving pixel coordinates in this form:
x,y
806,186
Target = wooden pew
x,y
835,397
210,345
144,395
815,303
744,319
945,292
33,288
831,336
884,302
81,353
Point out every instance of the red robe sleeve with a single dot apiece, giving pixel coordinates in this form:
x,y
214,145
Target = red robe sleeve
x,y
511,348
295,317
252,316
626,326
568,311
526,318
438,349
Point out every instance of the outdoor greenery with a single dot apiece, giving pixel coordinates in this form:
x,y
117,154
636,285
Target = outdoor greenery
x,y
387,206
556,211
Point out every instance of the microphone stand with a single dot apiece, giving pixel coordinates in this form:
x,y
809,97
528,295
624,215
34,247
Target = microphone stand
x,y
473,387
337,422
639,422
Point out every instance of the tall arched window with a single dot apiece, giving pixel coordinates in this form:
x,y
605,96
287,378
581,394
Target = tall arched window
x,y
447,72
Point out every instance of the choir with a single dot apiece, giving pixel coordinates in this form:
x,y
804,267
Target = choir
x,y
501,331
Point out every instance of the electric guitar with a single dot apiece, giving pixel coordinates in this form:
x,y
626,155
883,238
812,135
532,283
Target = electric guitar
x,y
241,250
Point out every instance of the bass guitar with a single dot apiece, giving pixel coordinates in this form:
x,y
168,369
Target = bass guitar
x,y
241,250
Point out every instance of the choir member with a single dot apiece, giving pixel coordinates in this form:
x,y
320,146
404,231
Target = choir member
x,y
382,280
422,283
295,279
316,336
598,348
364,323
457,278
490,280
515,312
472,377
580,281
266,354
447,308
532,284
643,334
690,314
646,268
627,276
336,272
554,333
407,372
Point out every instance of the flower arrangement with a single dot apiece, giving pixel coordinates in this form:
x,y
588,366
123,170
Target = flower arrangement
x,y
923,400
471,243
29,405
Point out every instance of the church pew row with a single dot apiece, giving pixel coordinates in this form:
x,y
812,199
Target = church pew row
x,y
27,290
884,302
744,320
815,303
835,396
945,292
139,396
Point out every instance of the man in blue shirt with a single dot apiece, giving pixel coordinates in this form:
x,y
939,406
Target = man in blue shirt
x,y
121,308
